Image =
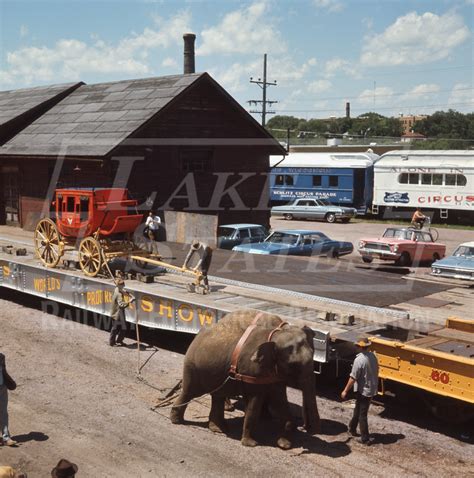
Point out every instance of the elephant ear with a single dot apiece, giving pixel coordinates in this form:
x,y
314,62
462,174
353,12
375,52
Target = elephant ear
x,y
309,334
264,355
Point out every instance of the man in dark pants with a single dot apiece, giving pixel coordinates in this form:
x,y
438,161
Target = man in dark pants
x,y
204,254
120,301
6,383
364,377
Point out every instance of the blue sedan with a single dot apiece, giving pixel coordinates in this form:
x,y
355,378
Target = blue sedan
x,y
298,242
458,266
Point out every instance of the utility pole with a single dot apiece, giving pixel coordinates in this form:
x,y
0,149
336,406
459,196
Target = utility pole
x,y
264,102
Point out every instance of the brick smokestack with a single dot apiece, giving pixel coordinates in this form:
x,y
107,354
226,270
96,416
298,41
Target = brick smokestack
x,y
189,39
348,110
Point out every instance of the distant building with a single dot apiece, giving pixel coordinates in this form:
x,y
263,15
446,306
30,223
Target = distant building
x,y
410,137
409,121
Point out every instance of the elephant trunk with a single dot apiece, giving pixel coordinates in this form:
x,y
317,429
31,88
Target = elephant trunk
x,y
310,407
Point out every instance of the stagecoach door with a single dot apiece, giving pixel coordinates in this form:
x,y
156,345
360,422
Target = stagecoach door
x,y
10,196
74,211
70,211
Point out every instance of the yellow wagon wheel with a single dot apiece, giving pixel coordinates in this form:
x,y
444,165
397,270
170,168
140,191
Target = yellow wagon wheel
x,y
90,256
48,245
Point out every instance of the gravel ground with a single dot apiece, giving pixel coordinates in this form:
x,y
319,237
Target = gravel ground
x,y
79,399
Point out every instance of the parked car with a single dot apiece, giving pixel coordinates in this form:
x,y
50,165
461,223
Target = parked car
x,y
404,246
298,242
319,209
458,266
231,235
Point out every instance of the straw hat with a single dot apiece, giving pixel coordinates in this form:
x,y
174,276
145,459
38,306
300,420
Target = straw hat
x,y
363,342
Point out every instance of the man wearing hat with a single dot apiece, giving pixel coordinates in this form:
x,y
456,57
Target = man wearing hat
x,y
364,377
120,301
204,253
64,469
6,383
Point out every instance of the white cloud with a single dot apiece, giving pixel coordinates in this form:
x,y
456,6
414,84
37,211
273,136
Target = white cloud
x,y
319,86
248,30
169,63
286,71
70,59
235,77
23,31
283,70
415,39
334,65
377,96
329,5
421,92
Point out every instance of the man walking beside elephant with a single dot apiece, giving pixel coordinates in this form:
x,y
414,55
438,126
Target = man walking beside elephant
x,y
364,377
6,383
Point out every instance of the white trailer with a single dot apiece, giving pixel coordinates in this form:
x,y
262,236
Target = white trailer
x,y
440,182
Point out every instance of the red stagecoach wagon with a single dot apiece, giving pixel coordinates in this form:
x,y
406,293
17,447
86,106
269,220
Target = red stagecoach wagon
x,y
98,218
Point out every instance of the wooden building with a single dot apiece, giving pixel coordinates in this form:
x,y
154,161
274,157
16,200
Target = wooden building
x,y
18,109
177,142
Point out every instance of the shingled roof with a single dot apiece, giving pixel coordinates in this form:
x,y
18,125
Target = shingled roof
x,y
94,119
17,106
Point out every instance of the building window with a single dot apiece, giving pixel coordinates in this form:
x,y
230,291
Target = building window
x,y
450,180
333,181
403,178
426,179
197,161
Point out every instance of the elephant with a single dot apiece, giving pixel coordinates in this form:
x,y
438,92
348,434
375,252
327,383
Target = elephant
x,y
278,354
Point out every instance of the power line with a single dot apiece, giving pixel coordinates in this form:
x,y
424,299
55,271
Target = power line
x,y
343,135
379,108
371,94
264,102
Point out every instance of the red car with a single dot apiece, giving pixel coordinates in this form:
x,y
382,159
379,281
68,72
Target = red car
x,y
404,246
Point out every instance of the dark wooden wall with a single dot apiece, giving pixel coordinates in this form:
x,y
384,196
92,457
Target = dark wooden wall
x,y
202,138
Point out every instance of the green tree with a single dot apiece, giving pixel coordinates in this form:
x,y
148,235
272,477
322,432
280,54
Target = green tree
x,y
445,124
283,122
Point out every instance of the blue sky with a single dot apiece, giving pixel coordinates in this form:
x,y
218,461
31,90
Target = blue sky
x,y
392,57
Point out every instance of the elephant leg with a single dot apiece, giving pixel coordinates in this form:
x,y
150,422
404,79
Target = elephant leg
x,y
216,417
181,403
280,406
252,414
179,407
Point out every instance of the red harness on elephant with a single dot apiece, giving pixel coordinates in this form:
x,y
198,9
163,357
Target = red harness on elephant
x,y
264,379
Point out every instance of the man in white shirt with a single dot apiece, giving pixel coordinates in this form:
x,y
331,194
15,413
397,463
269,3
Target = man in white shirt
x,y
152,225
364,377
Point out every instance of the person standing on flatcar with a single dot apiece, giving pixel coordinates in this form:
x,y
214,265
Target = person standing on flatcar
x,y
120,301
152,226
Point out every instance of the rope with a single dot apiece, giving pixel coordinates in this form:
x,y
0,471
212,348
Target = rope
x,y
168,399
